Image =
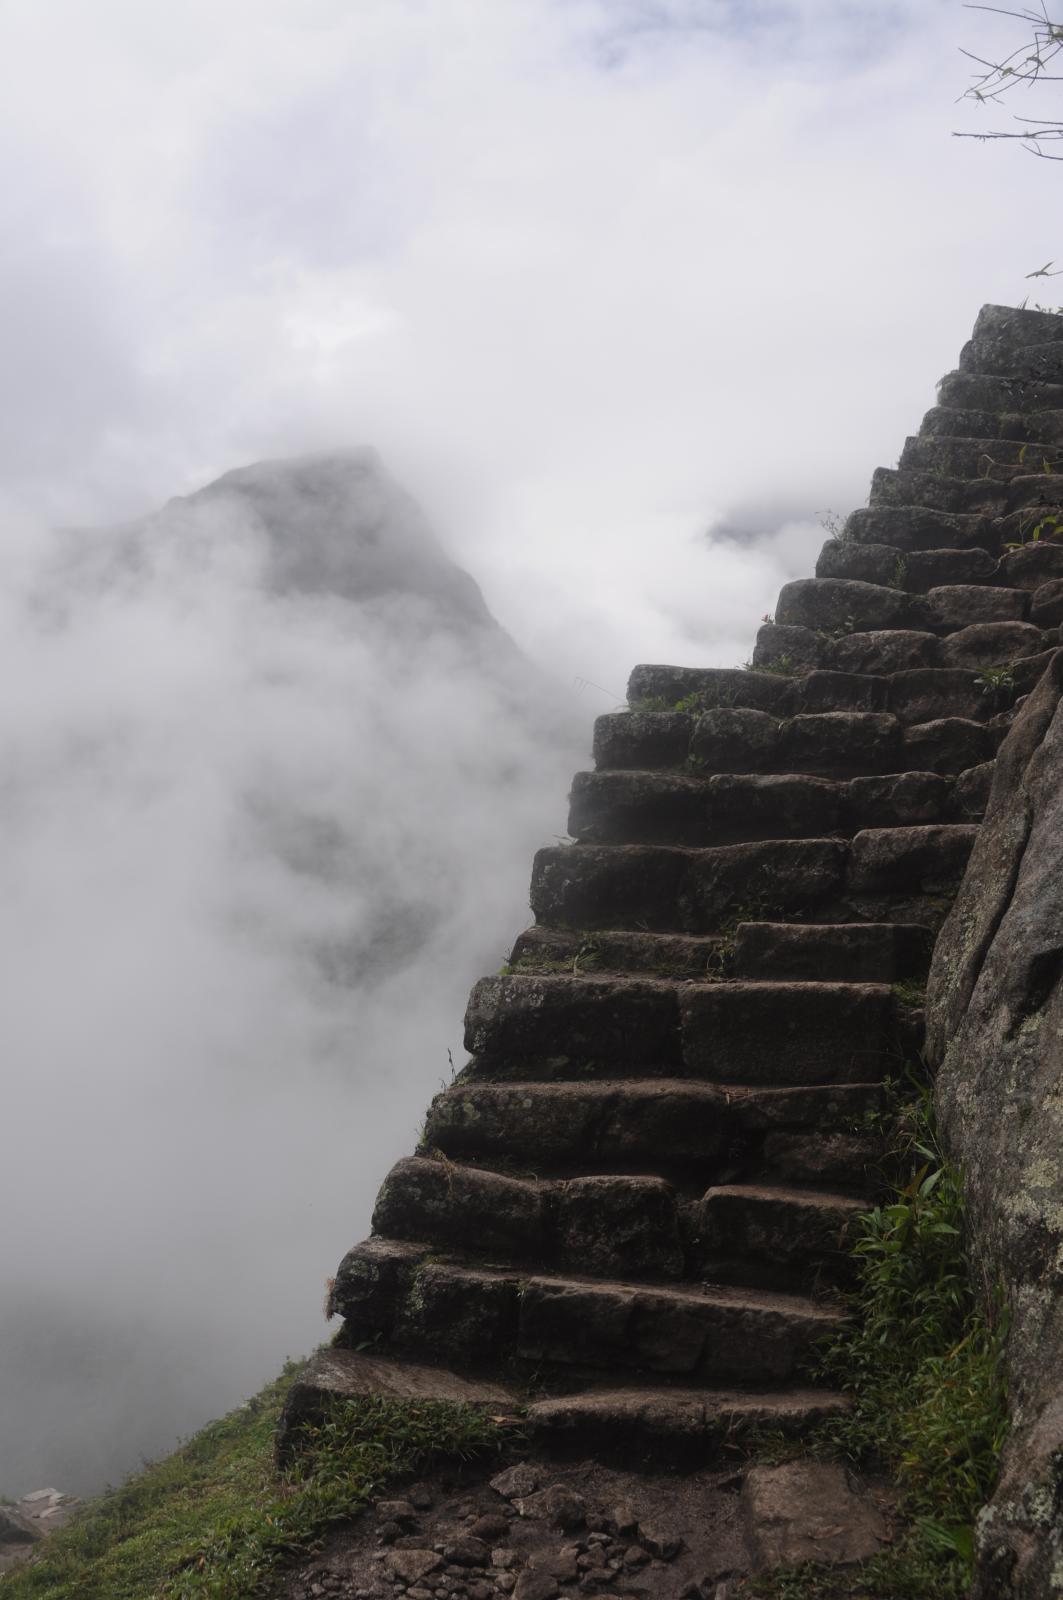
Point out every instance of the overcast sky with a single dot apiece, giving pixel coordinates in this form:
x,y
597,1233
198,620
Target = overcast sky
x,y
592,274
596,277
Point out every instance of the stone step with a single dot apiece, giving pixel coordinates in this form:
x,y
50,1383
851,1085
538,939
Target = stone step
x,y
851,952
892,486
917,571
1033,563
684,890
471,1315
742,1225
971,391
727,1032
787,649
839,606
698,1132
1043,426
1018,325
675,809
999,358
674,1425
999,460
613,1225
661,955
921,694
916,527
739,741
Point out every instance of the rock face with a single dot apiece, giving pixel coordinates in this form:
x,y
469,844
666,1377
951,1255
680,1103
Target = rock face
x,y
636,1194
995,1030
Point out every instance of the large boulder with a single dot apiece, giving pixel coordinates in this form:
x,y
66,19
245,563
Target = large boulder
x,y
995,1034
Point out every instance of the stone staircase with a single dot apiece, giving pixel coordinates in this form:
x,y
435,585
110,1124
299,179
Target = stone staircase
x,y
631,1205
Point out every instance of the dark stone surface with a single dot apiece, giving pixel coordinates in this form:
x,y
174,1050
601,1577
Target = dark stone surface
x,y
724,686
789,648
951,744
1033,564
674,809
928,694
989,644
642,739
566,1018
920,527
438,1202
774,1224
926,570
995,1020
867,563
1046,604
897,801
867,952
736,739
961,605
620,1226
927,858
885,650
845,604
839,742
788,1032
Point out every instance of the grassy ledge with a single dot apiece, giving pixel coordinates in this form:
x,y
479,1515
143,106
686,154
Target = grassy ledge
x,y
923,1364
216,1519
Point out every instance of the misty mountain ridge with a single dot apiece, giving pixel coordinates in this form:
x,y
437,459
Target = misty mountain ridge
x,y
333,525
268,801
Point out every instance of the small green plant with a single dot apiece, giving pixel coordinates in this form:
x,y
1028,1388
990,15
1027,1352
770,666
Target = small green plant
x,y
783,666
993,680
1037,528
900,572
834,525
910,992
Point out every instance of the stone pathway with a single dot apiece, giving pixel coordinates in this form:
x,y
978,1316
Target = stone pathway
x,y
631,1207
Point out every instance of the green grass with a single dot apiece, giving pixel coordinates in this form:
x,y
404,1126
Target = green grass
x,y
923,1365
216,1519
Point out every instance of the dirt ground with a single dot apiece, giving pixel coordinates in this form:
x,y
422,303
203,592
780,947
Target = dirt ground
x,y
536,1531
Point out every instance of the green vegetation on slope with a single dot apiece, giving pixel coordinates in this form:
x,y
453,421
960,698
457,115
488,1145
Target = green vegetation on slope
x,y
215,1518
923,1366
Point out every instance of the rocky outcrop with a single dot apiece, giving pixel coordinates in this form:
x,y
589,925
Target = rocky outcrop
x,y
995,1031
633,1201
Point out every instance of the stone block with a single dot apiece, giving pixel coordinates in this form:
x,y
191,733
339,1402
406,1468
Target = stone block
x,y
785,649
778,875
915,527
855,952
440,1202
371,1280
885,651
713,686
565,1018
593,886
642,739
1033,564
839,742
847,605
736,739
896,860
990,644
619,1227
761,1033
951,744
1046,604
896,801
459,1313
770,1224
867,563
809,1511
962,605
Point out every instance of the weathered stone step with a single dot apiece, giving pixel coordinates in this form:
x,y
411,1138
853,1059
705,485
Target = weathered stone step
x,y
1000,357
838,606
1044,426
673,1425
787,649
740,1224
678,809
916,571
971,391
1035,562
852,952
916,527
701,1131
701,891
660,955
1000,460
740,741
1018,326
922,694
472,1315
892,486
728,1032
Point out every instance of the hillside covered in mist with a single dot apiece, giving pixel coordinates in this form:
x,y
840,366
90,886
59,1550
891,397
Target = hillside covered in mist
x,y
271,777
